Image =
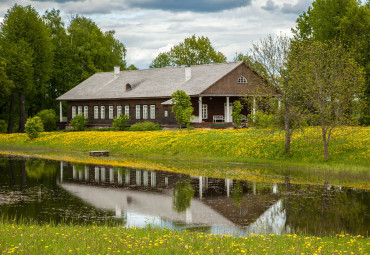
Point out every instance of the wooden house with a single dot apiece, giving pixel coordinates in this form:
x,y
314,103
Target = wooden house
x,y
145,95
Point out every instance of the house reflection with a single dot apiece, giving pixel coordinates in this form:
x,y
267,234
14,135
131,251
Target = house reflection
x,y
165,198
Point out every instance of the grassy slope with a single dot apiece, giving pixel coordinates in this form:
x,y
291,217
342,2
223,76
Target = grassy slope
x,y
349,148
33,239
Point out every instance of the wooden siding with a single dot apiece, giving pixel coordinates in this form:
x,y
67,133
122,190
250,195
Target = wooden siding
x,y
159,110
228,85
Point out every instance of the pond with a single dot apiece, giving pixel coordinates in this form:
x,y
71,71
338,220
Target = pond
x,y
46,191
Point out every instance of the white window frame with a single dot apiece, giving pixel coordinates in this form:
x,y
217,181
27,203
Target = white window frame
x,y
152,111
127,110
138,115
110,112
145,111
96,112
165,113
242,79
102,112
73,112
79,110
119,110
86,112
204,111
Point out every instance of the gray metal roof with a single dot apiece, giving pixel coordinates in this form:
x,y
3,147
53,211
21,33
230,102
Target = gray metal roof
x,y
149,83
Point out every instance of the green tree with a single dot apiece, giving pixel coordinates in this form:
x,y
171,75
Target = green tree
x,y
182,107
49,119
193,51
345,21
332,81
272,54
182,195
33,127
24,32
236,114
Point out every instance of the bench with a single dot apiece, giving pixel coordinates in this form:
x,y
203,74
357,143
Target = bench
x,y
99,153
218,117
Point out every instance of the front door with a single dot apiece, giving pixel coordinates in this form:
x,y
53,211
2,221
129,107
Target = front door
x,y
228,113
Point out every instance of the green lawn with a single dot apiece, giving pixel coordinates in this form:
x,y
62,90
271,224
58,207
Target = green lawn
x,y
62,239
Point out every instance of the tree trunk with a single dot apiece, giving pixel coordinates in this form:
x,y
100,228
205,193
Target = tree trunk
x,y
22,114
11,114
326,145
287,134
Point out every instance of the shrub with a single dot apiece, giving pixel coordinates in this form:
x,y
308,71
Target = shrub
x,y
264,120
237,117
78,123
3,126
33,127
49,119
121,122
145,126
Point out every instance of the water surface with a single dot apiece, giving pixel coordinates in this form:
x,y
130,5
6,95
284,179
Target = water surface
x,y
49,191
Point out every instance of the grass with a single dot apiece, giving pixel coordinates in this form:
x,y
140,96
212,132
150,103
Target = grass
x,y
349,148
62,239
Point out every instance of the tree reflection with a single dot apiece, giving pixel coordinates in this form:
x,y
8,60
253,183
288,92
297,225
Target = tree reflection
x,y
182,195
37,168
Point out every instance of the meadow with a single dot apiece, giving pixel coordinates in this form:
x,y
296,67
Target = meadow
x,y
68,239
349,147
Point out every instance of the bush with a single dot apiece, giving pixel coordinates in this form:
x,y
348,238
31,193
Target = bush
x,y
33,127
3,126
49,119
121,122
78,123
145,126
264,120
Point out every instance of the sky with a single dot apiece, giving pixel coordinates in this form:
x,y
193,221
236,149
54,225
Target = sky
x,y
149,27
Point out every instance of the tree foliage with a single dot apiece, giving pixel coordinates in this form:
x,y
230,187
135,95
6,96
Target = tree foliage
x,y
344,21
49,119
182,107
121,122
33,127
78,123
236,114
331,82
193,51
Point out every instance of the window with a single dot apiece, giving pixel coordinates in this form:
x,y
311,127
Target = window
x,y
79,110
138,112
127,110
242,79
73,111
102,112
165,113
119,111
110,112
96,112
152,111
204,111
86,112
145,112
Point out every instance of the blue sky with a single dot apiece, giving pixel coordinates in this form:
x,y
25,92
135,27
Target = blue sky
x,y
148,27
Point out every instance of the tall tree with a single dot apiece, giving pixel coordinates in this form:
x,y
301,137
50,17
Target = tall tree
x,y
193,51
346,21
92,50
271,56
24,32
332,81
182,107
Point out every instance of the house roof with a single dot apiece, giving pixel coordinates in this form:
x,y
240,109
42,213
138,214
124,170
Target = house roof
x,y
149,83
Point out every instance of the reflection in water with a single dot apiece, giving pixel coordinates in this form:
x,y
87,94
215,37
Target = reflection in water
x,y
59,191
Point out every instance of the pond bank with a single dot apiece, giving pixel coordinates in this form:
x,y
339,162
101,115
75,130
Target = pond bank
x,y
349,148
61,239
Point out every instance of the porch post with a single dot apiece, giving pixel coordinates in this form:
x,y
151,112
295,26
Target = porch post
x,y
254,108
227,109
200,187
200,109
60,111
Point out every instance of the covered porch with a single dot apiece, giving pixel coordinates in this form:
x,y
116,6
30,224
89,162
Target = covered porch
x,y
211,110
